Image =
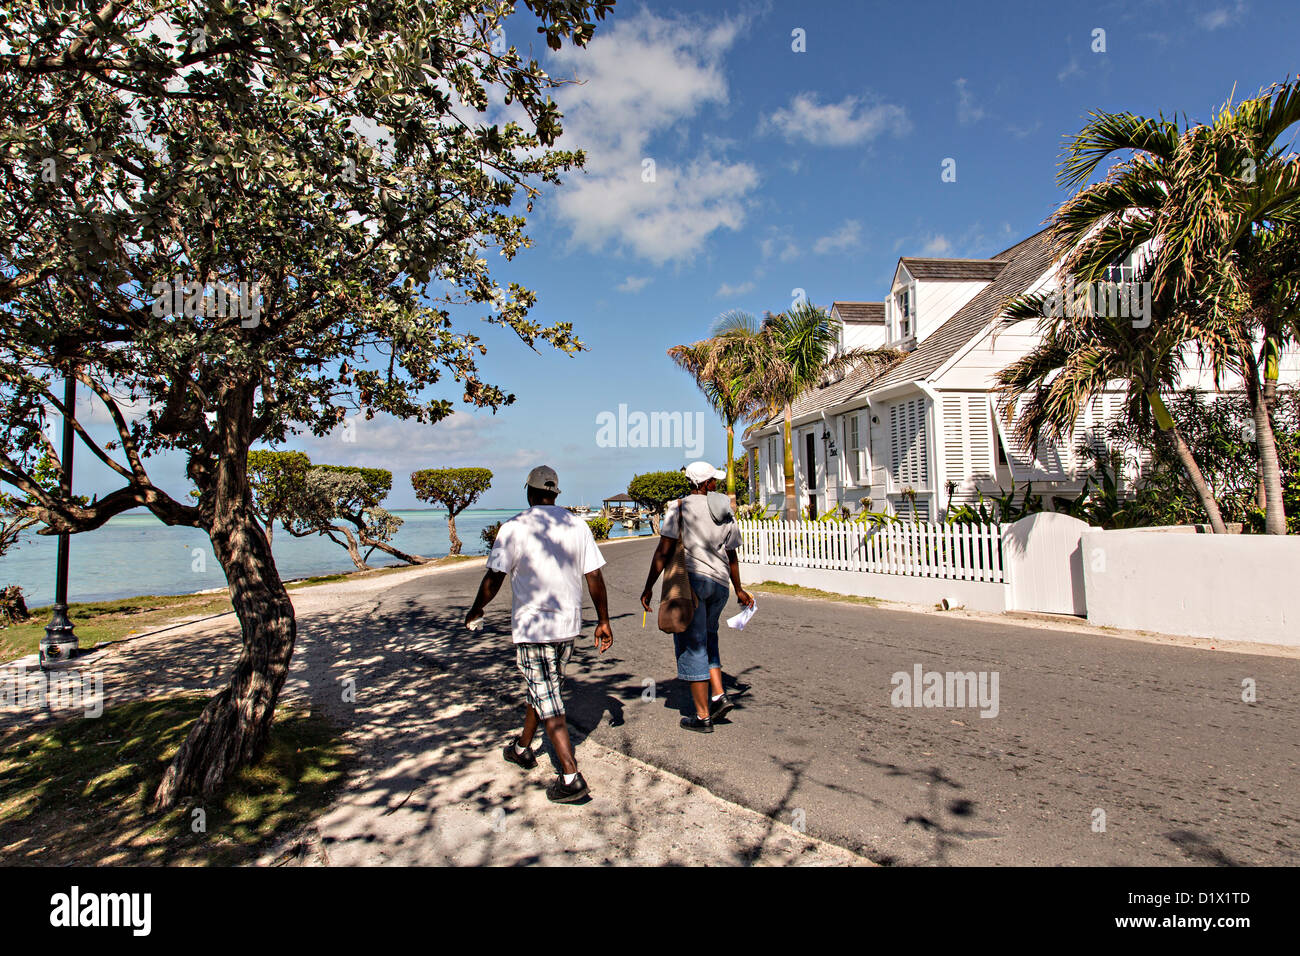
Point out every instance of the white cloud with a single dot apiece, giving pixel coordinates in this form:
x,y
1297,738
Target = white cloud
x,y
462,438
936,246
779,244
634,283
968,111
847,236
851,121
1070,69
727,290
1221,16
645,76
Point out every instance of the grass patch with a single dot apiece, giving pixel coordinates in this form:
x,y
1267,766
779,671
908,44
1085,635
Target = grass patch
x,y
794,590
97,621
76,792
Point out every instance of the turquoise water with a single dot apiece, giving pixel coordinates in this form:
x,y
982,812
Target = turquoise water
x,y
138,554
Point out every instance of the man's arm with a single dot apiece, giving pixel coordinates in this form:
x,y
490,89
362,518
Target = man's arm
x,y
657,563
487,590
733,564
604,631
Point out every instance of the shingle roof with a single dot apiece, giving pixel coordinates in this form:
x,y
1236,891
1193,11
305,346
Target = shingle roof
x,y
868,313
1024,262
964,269
828,396
1017,268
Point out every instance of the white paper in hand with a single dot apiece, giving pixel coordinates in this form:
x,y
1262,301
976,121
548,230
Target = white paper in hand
x,y
740,620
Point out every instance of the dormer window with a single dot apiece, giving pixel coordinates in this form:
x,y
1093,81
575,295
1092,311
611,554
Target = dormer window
x,y
905,310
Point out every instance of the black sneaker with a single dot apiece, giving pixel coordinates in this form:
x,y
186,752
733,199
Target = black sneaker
x,y
701,725
561,792
527,759
720,707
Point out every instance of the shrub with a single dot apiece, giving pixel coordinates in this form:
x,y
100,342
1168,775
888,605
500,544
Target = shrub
x,y
599,527
489,534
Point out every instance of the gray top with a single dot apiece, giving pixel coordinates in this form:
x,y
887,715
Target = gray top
x,y
719,507
706,541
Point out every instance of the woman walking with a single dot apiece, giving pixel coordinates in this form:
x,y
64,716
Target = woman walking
x,y
710,551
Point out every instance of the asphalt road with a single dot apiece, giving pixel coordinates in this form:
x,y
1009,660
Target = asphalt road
x,y
1157,738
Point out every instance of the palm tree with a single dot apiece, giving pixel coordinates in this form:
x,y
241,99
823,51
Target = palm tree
x,y
793,352
1216,202
719,365
1079,353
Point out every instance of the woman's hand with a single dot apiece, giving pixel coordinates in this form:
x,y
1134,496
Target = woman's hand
x,y
744,597
646,597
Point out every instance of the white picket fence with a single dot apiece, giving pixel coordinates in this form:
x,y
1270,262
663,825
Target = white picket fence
x,y
960,552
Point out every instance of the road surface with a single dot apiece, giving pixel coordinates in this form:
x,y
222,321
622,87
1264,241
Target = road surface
x,y
1103,751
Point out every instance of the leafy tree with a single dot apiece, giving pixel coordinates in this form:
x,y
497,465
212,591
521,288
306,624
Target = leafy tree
x,y
15,520
1078,354
489,534
721,365
793,353
655,489
328,159
740,468
342,503
276,479
1220,429
453,488
1217,203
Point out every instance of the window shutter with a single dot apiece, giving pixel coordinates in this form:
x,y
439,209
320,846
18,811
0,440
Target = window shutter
x,y
907,441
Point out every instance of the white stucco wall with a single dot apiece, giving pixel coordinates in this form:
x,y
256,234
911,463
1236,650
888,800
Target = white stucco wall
x,y
975,595
1230,587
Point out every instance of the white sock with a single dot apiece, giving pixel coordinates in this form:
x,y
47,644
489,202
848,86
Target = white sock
x,y
570,777
519,749
717,696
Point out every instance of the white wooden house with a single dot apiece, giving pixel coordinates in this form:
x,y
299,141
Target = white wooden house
x,y
902,436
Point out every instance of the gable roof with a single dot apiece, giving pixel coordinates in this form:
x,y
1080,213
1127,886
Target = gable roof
x,y
1021,265
863,313
984,270
1017,268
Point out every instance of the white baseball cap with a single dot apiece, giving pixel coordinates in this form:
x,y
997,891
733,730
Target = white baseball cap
x,y
698,472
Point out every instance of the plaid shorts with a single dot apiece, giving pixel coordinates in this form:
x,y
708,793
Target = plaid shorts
x,y
543,668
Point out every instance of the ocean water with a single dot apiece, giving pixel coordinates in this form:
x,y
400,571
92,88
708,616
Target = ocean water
x,y
135,554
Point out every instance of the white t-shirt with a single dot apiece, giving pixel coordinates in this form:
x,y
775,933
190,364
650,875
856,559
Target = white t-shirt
x,y
546,550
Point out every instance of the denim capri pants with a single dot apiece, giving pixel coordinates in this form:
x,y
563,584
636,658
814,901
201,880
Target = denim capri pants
x,y
697,646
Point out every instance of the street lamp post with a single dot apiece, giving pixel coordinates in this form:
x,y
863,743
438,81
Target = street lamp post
x,y
60,641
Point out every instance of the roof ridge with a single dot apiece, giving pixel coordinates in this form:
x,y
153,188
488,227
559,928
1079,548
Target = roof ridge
x,y
1010,249
948,259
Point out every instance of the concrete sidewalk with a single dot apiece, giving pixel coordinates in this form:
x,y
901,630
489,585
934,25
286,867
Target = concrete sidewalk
x,y
434,706
493,814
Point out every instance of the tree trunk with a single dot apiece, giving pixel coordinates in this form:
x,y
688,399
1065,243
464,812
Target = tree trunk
x,y
451,532
1270,468
234,727
731,465
1270,471
1166,424
354,551
791,503
398,553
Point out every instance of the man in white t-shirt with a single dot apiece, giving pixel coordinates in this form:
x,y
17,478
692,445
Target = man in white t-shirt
x,y
547,551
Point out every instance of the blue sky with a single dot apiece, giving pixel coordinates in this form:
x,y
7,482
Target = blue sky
x,y
778,170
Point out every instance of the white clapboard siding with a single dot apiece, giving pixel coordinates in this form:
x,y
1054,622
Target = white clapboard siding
x,y
964,552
